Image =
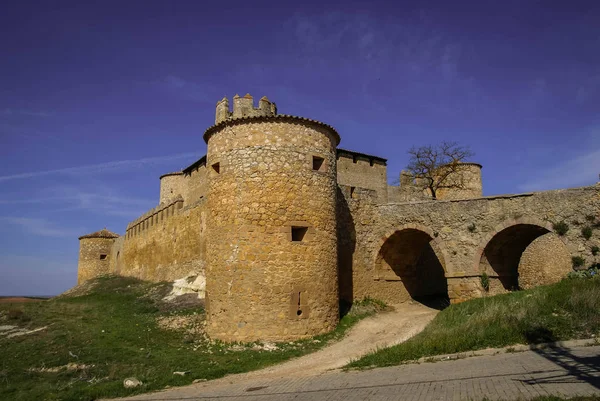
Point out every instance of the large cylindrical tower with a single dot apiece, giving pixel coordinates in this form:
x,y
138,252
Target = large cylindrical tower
x,y
271,235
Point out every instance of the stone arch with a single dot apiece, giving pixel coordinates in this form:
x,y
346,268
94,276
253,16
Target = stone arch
x,y
501,251
411,260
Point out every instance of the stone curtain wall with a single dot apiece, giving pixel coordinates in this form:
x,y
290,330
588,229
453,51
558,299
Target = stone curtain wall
x,y
166,245
190,186
90,262
360,171
116,255
461,230
261,284
196,184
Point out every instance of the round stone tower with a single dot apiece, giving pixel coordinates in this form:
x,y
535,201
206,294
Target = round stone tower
x,y
271,235
465,183
95,254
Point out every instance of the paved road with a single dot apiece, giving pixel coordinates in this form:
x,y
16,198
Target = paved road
x,y
510,376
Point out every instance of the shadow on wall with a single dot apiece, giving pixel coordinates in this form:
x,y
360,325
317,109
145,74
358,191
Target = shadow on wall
x,y
346,245
411,257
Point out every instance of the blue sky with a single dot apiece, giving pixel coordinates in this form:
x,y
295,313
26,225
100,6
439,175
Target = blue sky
x,y
97,100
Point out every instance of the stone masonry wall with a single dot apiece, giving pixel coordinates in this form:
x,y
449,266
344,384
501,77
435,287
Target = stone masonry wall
x,y
166,245
271,247
360,171
467,182
171,186
546,260
94,258
460,230
196,184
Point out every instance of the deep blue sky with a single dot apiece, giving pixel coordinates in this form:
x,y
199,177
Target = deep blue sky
x,y
97,99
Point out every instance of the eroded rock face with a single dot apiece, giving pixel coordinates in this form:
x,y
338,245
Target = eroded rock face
x,y
545,261
193,283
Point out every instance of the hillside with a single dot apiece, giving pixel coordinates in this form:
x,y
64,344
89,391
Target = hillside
x,y
84,343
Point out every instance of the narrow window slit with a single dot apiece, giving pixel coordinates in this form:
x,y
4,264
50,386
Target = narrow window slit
x,y
298,233
317,163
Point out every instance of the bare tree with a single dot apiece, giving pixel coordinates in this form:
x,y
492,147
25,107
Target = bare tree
x,y
438,167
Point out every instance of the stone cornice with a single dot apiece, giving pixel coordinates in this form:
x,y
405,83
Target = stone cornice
x,y
279,117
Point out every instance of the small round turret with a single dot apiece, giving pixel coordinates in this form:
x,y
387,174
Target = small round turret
x,y
171,186
95,254
465,183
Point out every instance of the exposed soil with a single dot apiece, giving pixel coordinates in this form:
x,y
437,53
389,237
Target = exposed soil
x,y
15,300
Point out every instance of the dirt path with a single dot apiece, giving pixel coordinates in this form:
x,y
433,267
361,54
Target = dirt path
x,y
381,330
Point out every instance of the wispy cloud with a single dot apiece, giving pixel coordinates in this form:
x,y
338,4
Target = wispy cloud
x,y
119,165
30,113
103,200
37,226
75,199
187,89
581,170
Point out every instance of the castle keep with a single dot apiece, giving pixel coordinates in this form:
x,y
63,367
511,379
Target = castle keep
x,y
286,227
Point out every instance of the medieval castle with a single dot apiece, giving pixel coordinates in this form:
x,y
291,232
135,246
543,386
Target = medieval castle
x,y
286,226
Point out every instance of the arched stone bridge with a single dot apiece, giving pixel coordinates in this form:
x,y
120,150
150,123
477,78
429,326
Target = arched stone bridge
x,y
428,249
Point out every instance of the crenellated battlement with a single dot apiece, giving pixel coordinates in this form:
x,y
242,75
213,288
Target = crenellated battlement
x,y
244,107
154,216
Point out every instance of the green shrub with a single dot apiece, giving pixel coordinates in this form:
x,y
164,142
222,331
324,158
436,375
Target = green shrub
x,y
561,227
595,250
578,261
485,281
586,232
592,272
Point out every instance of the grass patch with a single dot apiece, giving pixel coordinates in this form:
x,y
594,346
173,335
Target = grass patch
x,y
121,328
566,310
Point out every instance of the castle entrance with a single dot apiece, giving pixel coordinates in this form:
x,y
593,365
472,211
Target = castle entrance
x,y
411,259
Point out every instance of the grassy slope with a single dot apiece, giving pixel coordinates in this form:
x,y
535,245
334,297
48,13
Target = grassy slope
x,y
114,328
566,310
